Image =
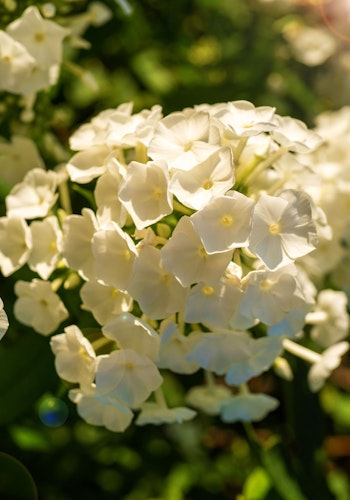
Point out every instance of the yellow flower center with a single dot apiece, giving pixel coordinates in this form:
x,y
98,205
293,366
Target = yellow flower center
x,y
208,290
275,228
208,184
227,220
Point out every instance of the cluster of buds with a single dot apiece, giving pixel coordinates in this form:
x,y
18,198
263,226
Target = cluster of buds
x,y
188,255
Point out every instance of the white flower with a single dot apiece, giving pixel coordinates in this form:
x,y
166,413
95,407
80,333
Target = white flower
x,y
225,222
39,306
282,228
4,323
95,410
208,179
145,194
106,193
46,247
17,158
157,291
247,407
329,317
130,332
294,135
208,398
174,348
34,196
104,301
75,358
325,364
152,413
84,166
15,244
127,376
16,64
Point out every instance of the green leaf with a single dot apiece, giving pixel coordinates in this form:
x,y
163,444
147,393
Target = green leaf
x,y
26,372
257,485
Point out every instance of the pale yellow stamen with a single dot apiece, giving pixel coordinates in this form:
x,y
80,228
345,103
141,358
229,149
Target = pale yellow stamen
x,y
208,184
39,36
208,290
227,220
157,193
275,228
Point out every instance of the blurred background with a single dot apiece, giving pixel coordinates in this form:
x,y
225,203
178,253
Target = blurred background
x,y
294,55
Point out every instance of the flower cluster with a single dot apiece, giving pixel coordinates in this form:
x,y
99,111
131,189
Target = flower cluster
x,y
190,255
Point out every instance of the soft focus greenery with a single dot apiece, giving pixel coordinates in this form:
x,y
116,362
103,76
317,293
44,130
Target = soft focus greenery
x,y
176,54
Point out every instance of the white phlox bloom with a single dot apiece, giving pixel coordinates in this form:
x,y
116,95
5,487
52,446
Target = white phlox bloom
x,y
208,179
182,139
262,354
156,289
212,304
152,413
34,196
145,194
104,301
270,295
39,306
95,410
248,407
130,332
78,233
41,37
75,358
243,119
86,165
225,222
293,135
47,241
324,365
127,376
195,265
106,193
282,228
329,317
174,348
208,399
114,254
16,64
15,244
18,157
4,322
128,130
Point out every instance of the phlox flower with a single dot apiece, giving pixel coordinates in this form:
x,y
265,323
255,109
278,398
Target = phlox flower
x,y
18,157
145,194
293,135
196,264
104,301
41,37
208,398
156,289
106,193
247,407
225,222
46,246
270,295
329,317
16,64
208,179
34,196
130,332
324,364
243,119
75,358
152,413
182,138
78,232
15,244
127,376
282,228
4,323
86,165
96,410
212,304
114,255
39,306
174,348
